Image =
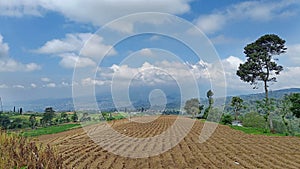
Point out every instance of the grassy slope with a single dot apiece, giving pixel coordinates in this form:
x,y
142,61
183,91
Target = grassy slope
x,y
50,130
259,131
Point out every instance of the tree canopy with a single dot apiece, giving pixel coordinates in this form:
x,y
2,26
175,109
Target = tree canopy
x,y
260,64
237,104
209,96
295,107
193,106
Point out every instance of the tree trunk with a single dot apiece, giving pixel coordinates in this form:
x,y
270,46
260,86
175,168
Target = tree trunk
x,y
235,114
267,104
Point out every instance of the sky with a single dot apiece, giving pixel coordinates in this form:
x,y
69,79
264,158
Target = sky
x,y
60,49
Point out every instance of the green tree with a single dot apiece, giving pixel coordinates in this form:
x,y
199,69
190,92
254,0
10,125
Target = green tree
x,y
33,122
74,117
284,107
295,107
21,110
266,110
260,64
85,117
193,107
253,119
227,119
48,116
237,104
209,96
64,117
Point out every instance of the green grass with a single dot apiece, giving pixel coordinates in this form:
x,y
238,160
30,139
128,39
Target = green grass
x,y
258,131
49,130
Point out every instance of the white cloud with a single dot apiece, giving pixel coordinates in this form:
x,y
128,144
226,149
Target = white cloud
x,y
70,60
287,79
211,23
90,81
50,85
222,39
251,10
7,64
154,38
86,45
91,11
166,73
293,54
10,65
3,86
65,84
71,43
19,86
4,48
18,8
45,79
146,52
95,48
33,85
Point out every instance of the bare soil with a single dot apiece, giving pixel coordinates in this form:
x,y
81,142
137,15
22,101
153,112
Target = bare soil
x,y
226,148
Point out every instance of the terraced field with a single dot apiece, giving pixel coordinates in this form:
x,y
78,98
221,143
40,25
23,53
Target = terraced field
x,y
226,148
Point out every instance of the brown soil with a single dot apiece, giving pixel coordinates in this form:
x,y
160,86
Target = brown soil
x,y
226,148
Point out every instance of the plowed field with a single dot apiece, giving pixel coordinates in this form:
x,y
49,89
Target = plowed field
x,y
226,148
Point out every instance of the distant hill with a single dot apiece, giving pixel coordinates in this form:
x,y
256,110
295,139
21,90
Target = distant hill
x,y
250,99
277,94
106,103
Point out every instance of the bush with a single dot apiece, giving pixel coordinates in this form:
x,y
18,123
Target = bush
x,y
227,119
214,115
279,127
253,119
4,122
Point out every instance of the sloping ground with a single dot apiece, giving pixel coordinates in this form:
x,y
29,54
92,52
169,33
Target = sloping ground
x,y
226,148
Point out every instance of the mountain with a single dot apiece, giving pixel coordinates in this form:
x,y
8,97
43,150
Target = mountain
x,y
105,101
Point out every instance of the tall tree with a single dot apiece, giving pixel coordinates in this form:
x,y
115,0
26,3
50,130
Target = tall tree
x,y
209,96
237,104
193,107
21,110
48,115
260,64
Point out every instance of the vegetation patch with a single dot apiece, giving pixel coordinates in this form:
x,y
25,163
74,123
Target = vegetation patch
x,y
20,152
50,130
257,131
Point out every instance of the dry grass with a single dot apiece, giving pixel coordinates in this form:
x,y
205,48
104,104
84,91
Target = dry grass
x,y
20,152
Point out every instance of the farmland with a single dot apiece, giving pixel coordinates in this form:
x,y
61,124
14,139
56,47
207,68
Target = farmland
x,y
226,148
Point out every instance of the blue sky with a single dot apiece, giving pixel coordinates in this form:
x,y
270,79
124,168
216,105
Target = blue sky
x,y
41,41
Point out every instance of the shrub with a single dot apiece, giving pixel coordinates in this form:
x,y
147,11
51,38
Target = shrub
x,y
253,119
214,115
279,127
227,119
